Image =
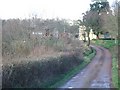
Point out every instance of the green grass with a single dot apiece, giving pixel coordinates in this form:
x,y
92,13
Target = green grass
x,y
74,71
110,44
119,77
115,72
105,43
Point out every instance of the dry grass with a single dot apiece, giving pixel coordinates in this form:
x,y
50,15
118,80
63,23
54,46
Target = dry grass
x,y
43,66
39,73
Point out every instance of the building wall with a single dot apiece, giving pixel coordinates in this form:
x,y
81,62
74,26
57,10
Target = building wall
x,y
82,31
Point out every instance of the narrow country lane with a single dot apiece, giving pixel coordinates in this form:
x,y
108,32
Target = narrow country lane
x,y
97,74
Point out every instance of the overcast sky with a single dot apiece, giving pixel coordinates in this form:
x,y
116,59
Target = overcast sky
x,y
67,9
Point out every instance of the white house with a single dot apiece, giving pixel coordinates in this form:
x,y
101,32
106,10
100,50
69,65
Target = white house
x,y
83,34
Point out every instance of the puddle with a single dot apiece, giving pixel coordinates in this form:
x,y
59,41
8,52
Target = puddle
x,y
70,87
100,84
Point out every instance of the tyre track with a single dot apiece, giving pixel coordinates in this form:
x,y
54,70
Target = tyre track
x,y
103,80
96,75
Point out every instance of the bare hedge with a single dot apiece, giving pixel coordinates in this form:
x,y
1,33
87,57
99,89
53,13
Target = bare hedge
x,y
39,73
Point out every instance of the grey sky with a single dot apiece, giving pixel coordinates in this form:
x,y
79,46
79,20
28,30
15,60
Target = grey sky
x,y
68,9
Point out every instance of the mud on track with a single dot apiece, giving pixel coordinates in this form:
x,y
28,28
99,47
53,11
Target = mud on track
x,y
96,75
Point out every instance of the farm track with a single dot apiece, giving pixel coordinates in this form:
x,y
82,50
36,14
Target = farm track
x,y
96,75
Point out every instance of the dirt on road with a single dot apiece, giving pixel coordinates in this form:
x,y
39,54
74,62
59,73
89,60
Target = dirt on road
x,y
96,75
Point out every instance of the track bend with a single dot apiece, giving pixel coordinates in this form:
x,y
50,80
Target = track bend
x,y
96,74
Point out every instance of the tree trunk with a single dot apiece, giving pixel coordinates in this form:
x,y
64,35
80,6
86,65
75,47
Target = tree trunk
x,y
115,40
88,38
84,38
98,36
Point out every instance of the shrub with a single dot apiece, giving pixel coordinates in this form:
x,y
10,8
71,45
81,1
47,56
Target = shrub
x,y
21,47
6,48
39,73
